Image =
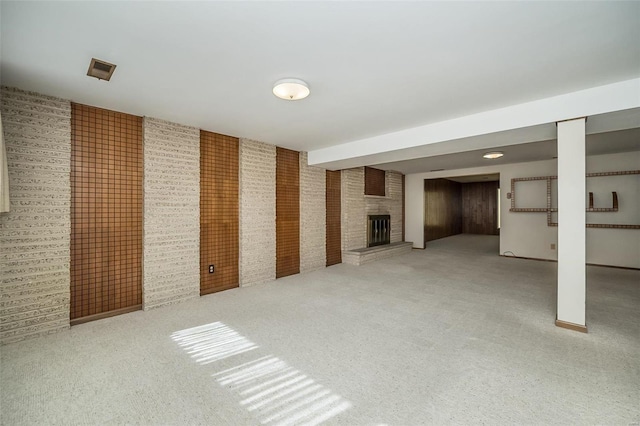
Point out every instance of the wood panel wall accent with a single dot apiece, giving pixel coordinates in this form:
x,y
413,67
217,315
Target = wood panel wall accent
x,y
334,213
374,181
480,208
443,209
403,213
219,214
287,212
106,213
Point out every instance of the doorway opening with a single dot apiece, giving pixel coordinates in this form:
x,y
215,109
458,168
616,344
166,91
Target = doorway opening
x,y
462,205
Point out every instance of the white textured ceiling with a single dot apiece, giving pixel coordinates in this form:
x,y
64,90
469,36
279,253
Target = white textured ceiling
x,y
373,67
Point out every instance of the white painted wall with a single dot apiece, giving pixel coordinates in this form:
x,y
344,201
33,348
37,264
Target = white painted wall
x,y
572,236
527,234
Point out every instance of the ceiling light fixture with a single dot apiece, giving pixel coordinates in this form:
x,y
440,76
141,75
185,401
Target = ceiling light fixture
x,y
291,89
493,155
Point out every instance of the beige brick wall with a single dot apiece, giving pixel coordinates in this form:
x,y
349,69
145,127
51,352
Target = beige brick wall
x,y
313,216
391,204
35,234
257,212
354,219
356,207
171,213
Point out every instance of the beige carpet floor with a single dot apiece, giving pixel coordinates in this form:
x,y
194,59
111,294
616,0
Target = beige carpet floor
x,y
453,334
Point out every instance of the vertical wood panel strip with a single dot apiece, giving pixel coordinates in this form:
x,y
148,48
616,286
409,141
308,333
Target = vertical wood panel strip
x,y
479,208
334,214
443,209
219,214
106,211
287,212
403,213
374,182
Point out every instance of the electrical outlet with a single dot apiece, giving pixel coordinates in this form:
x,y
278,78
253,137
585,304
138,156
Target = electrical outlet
x,y
211,269
553,246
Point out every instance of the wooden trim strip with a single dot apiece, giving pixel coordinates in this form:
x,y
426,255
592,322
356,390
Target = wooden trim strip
x,y
107,314
571,326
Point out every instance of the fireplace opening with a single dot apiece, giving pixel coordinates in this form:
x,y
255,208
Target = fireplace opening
x,y
378,230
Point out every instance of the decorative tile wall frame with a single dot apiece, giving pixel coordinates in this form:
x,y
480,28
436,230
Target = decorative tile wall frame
x,y
549,210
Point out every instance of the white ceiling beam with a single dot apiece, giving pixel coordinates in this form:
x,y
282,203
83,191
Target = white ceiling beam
x,y
427,140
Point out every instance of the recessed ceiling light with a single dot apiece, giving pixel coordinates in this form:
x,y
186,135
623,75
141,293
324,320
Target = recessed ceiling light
x,y
291,89
100,69
493,155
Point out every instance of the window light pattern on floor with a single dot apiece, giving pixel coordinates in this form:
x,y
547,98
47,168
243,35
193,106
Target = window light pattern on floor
x,y
281,395
212,342
276,393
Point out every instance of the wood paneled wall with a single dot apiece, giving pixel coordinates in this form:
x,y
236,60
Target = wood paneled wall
x,y
443,209
374,181
287,212
334,212
219,214
480,208
106,213
403,213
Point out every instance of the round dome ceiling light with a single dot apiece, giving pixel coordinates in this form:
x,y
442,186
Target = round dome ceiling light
x,y
291,89
493,155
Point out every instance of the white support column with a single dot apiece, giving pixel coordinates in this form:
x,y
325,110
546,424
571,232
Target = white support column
x,y
571,225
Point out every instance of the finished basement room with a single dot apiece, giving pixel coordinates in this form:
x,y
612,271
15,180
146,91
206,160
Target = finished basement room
x,y
304,213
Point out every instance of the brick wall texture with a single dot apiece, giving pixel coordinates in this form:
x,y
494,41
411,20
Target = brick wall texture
x,y
356,207
354,220
35,234
313,216
391,204
171,212
257,212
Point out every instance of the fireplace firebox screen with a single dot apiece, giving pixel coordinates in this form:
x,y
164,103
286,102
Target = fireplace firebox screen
x,y
378,230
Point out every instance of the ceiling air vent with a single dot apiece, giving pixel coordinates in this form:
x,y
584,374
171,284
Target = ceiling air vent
x,y
100,69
